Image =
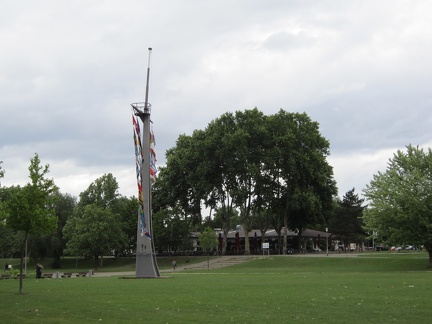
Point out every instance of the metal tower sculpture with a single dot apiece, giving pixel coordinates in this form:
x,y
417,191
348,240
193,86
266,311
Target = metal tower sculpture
x,y
146,265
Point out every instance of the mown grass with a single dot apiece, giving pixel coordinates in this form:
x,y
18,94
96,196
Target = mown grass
x,y
70,264
379,288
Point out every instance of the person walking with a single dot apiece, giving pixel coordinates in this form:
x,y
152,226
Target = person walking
x,y
174,264
39,269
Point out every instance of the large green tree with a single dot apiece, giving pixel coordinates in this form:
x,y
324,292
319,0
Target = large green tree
x,y
199,171
400,199
97,232
245,161
299,165
52,244
127,210
64,209
102,192
95,228
10,240
171,231
251,138
220,167
347,221
31,208
181,183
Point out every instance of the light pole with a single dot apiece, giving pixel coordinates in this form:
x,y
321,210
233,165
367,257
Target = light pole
x,y
327,240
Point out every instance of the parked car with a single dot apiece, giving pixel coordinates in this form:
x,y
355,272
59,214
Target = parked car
x,y
409,247
394,248
381,248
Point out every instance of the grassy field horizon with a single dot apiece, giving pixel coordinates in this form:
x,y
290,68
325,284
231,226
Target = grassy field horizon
x,y
109,264
373,287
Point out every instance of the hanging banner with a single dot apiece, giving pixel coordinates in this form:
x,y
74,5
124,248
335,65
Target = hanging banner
x,y
138,165
139,159
153,169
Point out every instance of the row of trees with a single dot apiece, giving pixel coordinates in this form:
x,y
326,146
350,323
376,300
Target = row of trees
x,y
244,168
38,218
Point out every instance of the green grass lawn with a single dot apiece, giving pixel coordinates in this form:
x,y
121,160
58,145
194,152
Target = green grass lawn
x,y
373,288
70,264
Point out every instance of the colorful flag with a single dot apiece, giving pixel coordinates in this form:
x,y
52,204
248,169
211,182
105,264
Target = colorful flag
x,y
148,235
139,158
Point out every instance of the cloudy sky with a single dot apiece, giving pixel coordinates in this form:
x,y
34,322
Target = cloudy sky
x,y
70,69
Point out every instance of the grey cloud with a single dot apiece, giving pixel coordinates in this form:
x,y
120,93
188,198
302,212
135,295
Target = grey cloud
x,y
69,71
283,40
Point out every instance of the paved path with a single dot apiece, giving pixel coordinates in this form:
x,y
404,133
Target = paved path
x,y
222,262
218,263
214,263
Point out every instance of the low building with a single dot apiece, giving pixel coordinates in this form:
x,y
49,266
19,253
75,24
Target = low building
x,y
309,240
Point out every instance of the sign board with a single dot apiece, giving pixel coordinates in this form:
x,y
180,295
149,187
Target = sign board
x,y
266,245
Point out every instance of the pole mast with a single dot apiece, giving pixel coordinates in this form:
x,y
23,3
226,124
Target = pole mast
x,y
146,265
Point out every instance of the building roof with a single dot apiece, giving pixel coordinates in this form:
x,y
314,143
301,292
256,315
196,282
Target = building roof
x,y
307,233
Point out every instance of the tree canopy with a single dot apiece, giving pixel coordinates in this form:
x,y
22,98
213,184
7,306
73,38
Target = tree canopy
x,y
400,199
248,161
95,233
31,208
95,228
346,223
1,171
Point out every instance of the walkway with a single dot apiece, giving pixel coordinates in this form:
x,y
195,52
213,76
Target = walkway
x,y
223,262
214,263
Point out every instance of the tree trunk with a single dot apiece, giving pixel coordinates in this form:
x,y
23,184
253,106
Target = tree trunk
x,y
22,262
96,258
226,217
57,258
246,237
430,257
285,234
224,241
285,237
279,239
246,223
263,239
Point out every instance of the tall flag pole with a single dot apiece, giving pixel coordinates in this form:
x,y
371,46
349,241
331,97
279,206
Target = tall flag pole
x,y
145,157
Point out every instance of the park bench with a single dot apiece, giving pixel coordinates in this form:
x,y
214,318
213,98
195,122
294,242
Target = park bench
x,y
18,276
82,274
66,275
5,276
47,275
